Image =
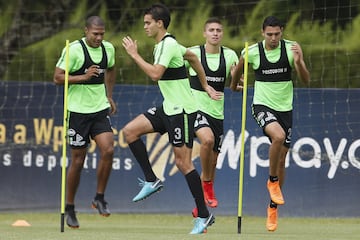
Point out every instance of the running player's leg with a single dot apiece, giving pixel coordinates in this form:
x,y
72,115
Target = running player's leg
x,y
272,209
72,183
79,130
208,164
149,122
206,138
102,133
133,131
105,143
181,134
277,136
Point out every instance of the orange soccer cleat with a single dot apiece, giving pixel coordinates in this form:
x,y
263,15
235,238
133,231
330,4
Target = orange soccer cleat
x,y
275,192
272,217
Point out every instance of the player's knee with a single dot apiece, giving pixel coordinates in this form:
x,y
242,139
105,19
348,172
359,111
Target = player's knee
x,y
278,138
208,143
108,152
128,134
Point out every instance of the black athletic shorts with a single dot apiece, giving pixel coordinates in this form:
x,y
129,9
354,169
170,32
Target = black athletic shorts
x,y
180,127
83,126
216,126
265,115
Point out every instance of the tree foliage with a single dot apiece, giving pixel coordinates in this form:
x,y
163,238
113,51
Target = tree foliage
x,y
33,33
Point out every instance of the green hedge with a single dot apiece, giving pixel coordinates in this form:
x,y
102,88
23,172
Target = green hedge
x,y
332,54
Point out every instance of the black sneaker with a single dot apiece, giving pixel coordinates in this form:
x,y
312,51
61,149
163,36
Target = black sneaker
x,y
101,206
71,219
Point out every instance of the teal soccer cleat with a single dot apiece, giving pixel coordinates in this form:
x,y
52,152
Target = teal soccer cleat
x,y
201,224
148,188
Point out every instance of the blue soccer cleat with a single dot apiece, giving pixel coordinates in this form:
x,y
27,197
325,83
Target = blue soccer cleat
x,y
148,188
201,224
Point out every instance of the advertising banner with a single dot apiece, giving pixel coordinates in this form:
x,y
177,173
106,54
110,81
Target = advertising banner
x,y
322,166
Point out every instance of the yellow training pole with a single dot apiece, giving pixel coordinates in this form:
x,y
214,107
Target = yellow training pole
x,y
64,142
242,153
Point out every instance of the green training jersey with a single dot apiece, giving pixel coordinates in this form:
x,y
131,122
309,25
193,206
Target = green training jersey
x,y
176,91
86,98
214,108
277,95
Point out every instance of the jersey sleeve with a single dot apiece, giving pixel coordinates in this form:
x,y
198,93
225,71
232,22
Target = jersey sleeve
x,y
61,62
75,57
165,52
231,59
289,53
182,49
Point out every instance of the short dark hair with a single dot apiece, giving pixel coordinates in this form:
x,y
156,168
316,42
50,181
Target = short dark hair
x,y
94,20
273,22
213,20
158,12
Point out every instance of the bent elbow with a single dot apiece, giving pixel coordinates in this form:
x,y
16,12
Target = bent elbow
x,y
155,77
57,81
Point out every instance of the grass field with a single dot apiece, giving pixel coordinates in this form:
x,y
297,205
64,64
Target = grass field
x,y
46,226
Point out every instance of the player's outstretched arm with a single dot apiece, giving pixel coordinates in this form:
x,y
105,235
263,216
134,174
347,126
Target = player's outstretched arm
x,y
155,72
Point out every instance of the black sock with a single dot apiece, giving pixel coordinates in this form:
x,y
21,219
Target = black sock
x,y
272,204
139,150
69,207
194,183
273,178
99,196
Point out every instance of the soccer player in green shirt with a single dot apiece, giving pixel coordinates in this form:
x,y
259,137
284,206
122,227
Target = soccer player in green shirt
x,y
217,62
272,61
91,81
177,113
